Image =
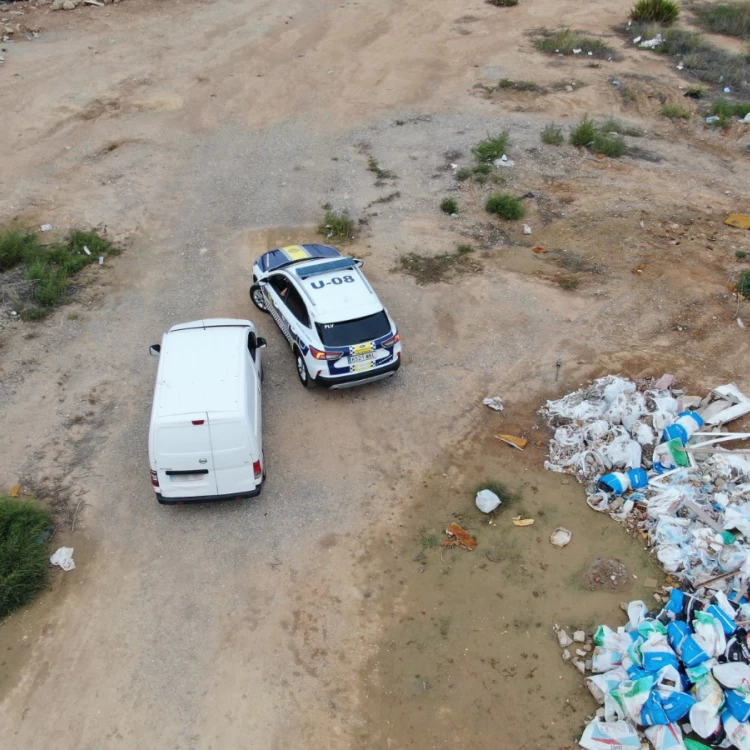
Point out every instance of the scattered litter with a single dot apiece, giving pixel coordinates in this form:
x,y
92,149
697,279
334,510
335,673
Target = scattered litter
x,y
637,39
487,501
46,227
560,537
526,229
504,161
577,51
101,260
538,249
663,470
459,537
651,43
727,90
516,442
746,118
741,221
740,323
63,557
86,250
494,402
680,65
518,521
712,119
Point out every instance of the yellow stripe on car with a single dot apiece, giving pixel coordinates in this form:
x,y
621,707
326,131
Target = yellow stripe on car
x,y
296,252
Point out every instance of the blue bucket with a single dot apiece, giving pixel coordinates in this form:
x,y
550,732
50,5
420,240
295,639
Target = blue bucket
x,y
687,423
620,482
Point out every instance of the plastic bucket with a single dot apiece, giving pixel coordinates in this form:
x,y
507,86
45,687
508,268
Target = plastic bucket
x,y
620,482
687,423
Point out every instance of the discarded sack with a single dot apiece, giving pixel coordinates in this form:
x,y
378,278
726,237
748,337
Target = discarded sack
x,y
63,558
487,501
560,537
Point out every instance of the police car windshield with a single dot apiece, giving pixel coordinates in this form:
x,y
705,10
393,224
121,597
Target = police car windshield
x,y
357,331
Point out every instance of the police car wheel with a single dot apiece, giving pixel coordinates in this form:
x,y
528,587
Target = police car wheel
x,y
256,295
302,373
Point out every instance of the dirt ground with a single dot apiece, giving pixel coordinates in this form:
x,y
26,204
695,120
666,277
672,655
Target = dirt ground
x,y
203,133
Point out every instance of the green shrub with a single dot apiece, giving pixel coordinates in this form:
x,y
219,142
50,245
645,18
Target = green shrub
x,y
505,205
740,255
725,108
584,133
732,18
509,83
503,3
743,284
23,558
464,173
486,151
15,246
552,134
449,206
609,145
675,111
655,11
613,125
337,225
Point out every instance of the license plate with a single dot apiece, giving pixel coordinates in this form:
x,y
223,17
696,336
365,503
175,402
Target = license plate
x,y
361,358
187,477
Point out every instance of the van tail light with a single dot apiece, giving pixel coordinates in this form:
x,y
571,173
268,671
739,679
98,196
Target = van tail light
x,y
325,355
257,469
154,478
392,341
199,421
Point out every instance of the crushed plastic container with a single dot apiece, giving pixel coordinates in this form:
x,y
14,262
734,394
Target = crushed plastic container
x,y
620,482
687,423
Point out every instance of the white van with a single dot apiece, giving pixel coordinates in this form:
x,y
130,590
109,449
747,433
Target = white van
x,y
204,441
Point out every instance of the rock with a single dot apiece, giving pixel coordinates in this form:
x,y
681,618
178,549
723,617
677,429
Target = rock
x,y
650,583
68,5
588,647
566,655
579,636
563,639
487,501
580,652
579,665
57,5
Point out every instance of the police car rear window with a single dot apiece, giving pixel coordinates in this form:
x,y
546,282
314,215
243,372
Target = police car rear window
x,y
356,331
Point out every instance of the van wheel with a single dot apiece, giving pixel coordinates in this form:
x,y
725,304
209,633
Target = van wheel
x,y
256,295
302,373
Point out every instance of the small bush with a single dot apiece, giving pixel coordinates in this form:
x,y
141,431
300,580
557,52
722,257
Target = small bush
x,y
696,92
337,226
731,19
565,41
725,108
613,125
486,151
15,246
464,173
431,269
23,558
552,134
509,83
609,145
381,174
743,285
655,11
464,249
506,206
584,133
569,285
503,3
449,206
740,255
675,111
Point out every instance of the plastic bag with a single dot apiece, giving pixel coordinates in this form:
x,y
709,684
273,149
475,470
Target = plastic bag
x,y
605,660
733,675
637,613
64,558
607,638
737,732
675,703
738,704
612,735
630,695
709,633
667,737
671,557
704,715
658,654
600,685
653,712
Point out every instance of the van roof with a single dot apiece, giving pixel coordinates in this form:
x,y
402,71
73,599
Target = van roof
x,y
201,368
340,300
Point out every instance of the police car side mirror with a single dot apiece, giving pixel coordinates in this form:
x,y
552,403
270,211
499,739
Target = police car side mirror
x,y
359,262
261,343
154,350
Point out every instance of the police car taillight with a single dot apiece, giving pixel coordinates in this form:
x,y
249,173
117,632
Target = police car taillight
x,y
388,343
325,355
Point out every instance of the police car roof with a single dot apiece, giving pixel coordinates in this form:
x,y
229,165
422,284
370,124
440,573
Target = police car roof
x,y
287,256
340,300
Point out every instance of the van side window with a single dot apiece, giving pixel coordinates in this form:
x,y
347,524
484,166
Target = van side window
x,y
297,307
252,344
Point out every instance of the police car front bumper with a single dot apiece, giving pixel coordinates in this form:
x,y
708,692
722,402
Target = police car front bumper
x,y
359,378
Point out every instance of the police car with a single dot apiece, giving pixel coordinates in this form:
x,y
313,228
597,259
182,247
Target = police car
x,y
340,333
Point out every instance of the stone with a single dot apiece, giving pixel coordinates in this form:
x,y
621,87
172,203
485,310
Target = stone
x,y
579,636
68,5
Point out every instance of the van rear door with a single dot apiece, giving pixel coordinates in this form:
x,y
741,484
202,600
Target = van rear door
x,y
233,454
184,461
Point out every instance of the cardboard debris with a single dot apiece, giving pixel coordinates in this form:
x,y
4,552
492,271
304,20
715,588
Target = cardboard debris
x,y
523,521
516,442
459,537
741,221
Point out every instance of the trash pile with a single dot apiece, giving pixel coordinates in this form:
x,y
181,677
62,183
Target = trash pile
x,y
655,459
670,676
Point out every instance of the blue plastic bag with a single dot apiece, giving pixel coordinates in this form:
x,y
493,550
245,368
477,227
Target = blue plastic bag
x,y
738,704
653,712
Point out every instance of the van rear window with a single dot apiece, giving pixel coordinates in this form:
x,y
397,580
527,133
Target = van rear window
x,y
357,331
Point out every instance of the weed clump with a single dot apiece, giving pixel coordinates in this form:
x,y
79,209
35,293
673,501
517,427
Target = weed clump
x,y
567,41
569,284
503,3
675,111
493,147
584,133
506,206
23,555
731,19
601,140
655,11
431,269
529,86
743,284
15,245
449,206
337,225
552,134
381,174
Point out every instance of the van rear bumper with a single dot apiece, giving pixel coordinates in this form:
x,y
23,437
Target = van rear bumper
x,y
208,498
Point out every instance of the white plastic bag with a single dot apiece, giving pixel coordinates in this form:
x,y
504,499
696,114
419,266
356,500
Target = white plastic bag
x,y
601,685
487,501
733,675
631,695
64,558
637,612
738,733
604,659
665,737
709,633
704,715
612,735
